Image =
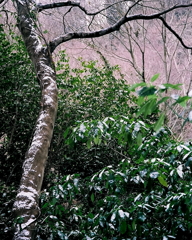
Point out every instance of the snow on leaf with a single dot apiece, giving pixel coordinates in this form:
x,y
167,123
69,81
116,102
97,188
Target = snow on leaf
x,y
165,238
113,216
82,128
121,213
24,225
154,175
180,171
137,198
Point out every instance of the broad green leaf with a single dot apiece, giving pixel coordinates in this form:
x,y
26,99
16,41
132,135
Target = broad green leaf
x,y
148,108
133,224
154,78
66,132
162,181
173,86
140,100
151,107
182,101
147,91
134,86
89,144
159,123
123,227
97,141
139,139
164,99
92,197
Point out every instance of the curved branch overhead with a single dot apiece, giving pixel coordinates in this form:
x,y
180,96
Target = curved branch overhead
x,y
126,18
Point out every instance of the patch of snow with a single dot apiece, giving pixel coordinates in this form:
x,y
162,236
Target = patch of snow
x,y
27,195
26,198
30,189
130,3
38,48
51,87
47,78
24,225
27,165
36,144
42,115
48,100
45,67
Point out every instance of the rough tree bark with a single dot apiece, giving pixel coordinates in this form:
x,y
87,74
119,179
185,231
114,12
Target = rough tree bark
x,y
26,206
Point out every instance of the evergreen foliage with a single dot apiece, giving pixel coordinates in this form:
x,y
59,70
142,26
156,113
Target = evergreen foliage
x,y
114,170
19,104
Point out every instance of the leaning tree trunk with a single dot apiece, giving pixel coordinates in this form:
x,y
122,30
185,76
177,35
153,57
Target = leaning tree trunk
x,y
26,206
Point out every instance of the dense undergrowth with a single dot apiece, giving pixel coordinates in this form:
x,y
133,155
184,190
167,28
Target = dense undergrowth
x,y
114,170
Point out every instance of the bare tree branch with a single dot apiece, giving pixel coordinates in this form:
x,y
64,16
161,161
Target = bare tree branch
x,y
41,7
174,33
76,35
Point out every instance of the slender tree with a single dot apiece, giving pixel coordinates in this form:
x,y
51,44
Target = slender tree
x,y
26,206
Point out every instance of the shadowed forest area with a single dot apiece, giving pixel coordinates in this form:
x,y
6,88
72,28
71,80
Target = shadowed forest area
x,y
96,120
